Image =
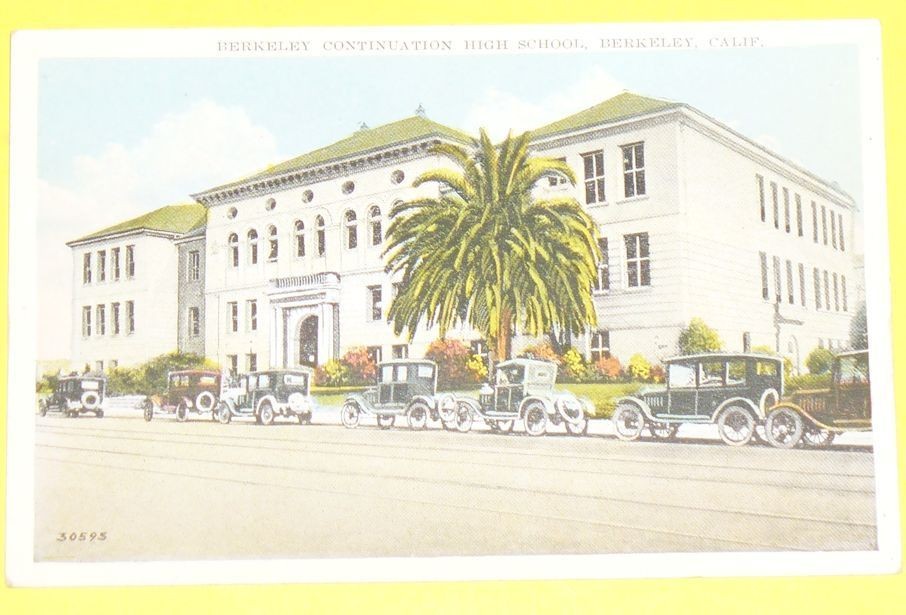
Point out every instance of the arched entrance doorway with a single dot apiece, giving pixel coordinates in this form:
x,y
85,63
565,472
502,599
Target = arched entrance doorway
x,y
308,341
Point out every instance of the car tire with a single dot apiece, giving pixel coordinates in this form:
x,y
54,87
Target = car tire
x,y
417,416
304,418
736,426
148,411
783,428
628,422
463,417
182,412
663,431
266,413
385,421
42,407
535,420
577,429
815,437
349,415
224,415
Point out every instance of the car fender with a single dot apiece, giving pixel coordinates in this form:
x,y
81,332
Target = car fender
x,y
472,404
274,404
749,405
566,396
359,400
546,403
763,407
432,401
798,409
645,408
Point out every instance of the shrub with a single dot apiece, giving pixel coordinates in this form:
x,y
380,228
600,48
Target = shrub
x,y
574,368
451,357
46,384
151,377
787,362
477,368
126,381
639,367
658,375
543,352
819,361
698,337
332,374
361,368
807,381
608,369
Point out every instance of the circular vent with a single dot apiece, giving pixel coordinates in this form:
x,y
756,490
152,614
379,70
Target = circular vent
x,y
307,196
397,176
270,205
348,187
231,213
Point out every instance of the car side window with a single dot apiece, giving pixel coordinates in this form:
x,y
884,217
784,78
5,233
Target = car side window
x,y
766,368
264,381
853,370
402,373
387,374
736,373
425,371
711,374
680,376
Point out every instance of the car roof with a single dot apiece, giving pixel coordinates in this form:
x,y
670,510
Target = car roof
x,y
850,353
62,378
724,355
281,370
192,372
408,362
525,361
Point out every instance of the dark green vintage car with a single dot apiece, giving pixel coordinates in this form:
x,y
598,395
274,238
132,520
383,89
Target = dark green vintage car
x,y
813,417
732,390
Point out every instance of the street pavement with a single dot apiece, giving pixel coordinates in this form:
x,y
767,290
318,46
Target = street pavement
x,y
201,490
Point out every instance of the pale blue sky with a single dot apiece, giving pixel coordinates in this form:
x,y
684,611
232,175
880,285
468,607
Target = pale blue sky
x,y
803,100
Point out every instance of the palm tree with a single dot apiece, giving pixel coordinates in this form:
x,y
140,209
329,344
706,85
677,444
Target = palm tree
x,y
487,252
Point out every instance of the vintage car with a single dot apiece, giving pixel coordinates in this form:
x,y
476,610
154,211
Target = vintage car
x,y
268,394
813,417
192,390
75,395
407,387
523,390
732,390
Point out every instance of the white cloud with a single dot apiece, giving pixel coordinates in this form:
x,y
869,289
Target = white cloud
x,y
184,152
499,111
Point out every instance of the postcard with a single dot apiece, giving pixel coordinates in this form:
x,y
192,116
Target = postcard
x,y
439,303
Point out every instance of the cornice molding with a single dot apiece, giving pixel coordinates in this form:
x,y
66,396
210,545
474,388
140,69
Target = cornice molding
x,y
130,233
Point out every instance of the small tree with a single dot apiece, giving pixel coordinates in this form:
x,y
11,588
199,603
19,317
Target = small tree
x,y
574,367
819,361
451,357
332,374
639,367
858,329
609,369
152,375
360,366
698,337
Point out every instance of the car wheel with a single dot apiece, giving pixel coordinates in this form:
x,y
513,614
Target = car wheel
x,y
224,415
816,437
266,413
182,412
99,414
42,407
663,431
463,417
783,428
628,422
148,411
304,418
736,426
385,421
417,416
578,429
535,420
349,415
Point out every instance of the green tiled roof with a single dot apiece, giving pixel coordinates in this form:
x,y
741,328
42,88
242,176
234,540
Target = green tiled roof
x,y
620,106
366,140
176,219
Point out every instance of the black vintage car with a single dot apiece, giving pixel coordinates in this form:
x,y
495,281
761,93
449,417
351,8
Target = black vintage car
x,y
192,390
732,390
267,394
75,395
814,416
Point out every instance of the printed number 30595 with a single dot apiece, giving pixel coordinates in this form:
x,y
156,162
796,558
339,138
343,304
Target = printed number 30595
x,y
81,536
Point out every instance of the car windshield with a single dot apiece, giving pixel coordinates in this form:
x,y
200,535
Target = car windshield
x,y
207,380
510,374
853,370
90,385
426,371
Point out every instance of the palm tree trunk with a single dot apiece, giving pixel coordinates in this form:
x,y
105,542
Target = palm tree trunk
x,y
504,338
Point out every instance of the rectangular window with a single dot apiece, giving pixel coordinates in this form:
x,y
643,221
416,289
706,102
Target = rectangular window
x,y
86,321
638,261
843,292
816,276
600,345
836,293
759,181
194,322
776,205
824,223
194,265
102,265
233,362
102,320
790,289
786,210
251,362
765,292
603,280
554,179
833,218
86,268
251,314
802,284
777,281
130,261
322,241
840,227
273,248
300,240
814,222
827,303
374,352
479,347
400,351
115,263
375,305
593,165
233,316
634,169
799,215
130,317
115,318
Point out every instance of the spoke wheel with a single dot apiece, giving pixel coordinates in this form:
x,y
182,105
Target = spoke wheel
x,y
42,408
578,429
349,415
535,420
417,416
463,417
266,413
304,418
224,415
663,431
182,412
816,437
628,422
736,426
385,421
783,428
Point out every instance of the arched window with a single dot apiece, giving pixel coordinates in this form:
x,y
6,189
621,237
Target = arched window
x,y
253,247
233,243
273,244
300,238
374,216
322,245
352,230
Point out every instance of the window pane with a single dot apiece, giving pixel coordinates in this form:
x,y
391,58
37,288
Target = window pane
x,y
646,273
680,375
640,182
631,251
643,245
633,274
588,164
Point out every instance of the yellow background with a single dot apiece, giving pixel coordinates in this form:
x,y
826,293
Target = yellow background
x,y
805,595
